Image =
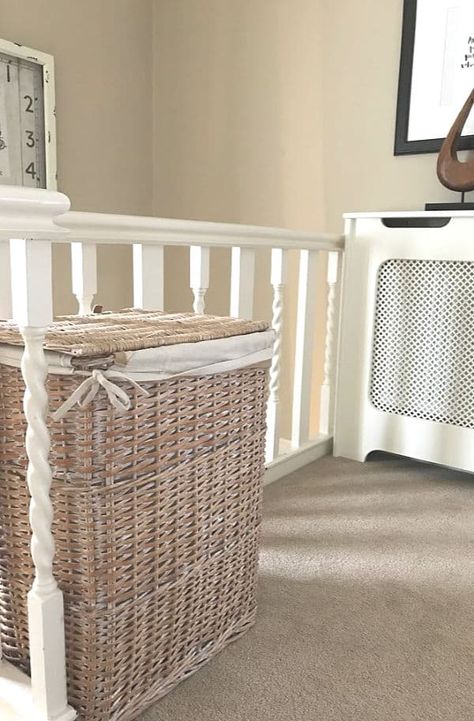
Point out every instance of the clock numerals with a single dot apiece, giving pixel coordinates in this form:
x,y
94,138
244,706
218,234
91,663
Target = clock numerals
x,y
22,123
30,170
29,104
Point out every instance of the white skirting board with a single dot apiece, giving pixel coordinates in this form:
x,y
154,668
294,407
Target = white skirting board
x,y
295,459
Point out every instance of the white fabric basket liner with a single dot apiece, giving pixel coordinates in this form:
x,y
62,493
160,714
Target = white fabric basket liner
x,y
201,358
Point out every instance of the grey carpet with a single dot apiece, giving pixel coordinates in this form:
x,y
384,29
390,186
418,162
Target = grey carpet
x,y
366,603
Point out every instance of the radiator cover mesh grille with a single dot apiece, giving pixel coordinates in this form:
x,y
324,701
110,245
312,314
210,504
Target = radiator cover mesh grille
x,y
423,349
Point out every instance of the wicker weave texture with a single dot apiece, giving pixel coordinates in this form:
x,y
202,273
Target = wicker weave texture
x,y
157,514
132,329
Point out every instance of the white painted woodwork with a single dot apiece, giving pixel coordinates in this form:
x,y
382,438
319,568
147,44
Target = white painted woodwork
x,y
31,213
32,298
326,415
199,275
278,280
129,229
84,275
291,461
304,348
242,283
34,210
360,427
34,371
148,276
31,279
5,283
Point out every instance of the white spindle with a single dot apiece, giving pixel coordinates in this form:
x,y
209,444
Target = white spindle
x,y
84,274
32,310
199,275
242,283
5,285
148,276
278,281
5,296
304,347
327,388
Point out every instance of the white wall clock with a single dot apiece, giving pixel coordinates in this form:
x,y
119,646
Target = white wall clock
x,y
27,117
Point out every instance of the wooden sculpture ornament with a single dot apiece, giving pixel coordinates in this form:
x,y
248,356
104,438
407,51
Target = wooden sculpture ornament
x,y
452,172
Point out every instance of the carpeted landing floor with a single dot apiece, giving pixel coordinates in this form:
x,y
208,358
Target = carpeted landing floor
x,y
366,603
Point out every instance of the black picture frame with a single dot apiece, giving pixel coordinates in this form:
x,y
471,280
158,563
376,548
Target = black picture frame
x,y
403,146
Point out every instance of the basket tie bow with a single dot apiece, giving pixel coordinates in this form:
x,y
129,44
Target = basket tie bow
x,y
87,391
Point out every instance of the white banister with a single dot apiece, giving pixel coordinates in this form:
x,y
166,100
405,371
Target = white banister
x,y
304,348
326,411
278,281
148,276
30,221
242,283
32,310
130,229
243,240
84,275
5,283
199,275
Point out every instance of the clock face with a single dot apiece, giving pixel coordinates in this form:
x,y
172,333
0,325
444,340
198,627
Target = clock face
x,y
22,123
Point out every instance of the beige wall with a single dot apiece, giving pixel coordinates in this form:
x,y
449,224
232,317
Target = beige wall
x,y
277,112
281,112
261,111
102,51
237,110
361,48
238,128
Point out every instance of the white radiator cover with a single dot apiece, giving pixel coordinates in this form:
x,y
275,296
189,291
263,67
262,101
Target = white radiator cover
x,y
406,360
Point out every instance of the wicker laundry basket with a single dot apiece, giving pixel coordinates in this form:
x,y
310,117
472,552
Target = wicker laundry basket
x,y
156,508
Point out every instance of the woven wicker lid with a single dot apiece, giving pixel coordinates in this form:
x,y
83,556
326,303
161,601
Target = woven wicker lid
x,y
131,329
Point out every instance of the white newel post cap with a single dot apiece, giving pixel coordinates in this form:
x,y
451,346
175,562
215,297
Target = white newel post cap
x,y
31,212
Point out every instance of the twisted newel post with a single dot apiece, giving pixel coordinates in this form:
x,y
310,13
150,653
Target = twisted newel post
x,y
326,411
32,310
45,600
278,281
35,406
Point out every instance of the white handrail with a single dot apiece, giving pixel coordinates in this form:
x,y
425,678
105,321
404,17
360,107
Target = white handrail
x,y
38,213
125,229
31,213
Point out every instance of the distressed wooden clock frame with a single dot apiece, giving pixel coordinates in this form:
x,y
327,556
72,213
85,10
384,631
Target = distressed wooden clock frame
x,y
47,62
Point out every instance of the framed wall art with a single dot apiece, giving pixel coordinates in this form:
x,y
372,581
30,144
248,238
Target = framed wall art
x,y
436,73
